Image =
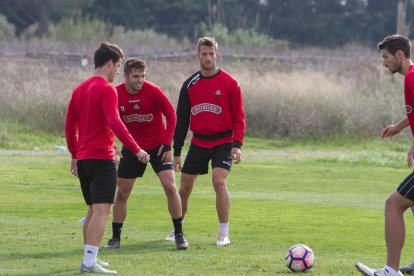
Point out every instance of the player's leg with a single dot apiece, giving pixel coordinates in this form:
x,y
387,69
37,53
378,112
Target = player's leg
x,y
221,163
99,195
96,228
219,178
406,192
86,223
395,207
196,162
174,206
128,170
222,204
173,198
120,211
186,187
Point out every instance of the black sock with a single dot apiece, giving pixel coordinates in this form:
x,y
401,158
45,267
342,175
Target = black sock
x,y
178,225
116,230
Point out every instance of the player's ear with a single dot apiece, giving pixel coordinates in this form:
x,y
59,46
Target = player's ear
x,y
399,54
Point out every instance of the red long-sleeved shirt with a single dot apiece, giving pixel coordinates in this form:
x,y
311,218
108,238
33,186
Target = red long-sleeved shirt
x,y
92,119
409,96
209,105
142,115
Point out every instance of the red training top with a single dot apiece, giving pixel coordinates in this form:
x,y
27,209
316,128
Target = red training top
x,y
142,115
92,119
210,105
409,96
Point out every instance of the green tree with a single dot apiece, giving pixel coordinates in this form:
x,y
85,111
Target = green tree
x,y
24,13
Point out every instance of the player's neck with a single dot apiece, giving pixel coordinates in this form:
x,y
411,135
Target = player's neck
x,y
102,72
209,73
406,66
131,91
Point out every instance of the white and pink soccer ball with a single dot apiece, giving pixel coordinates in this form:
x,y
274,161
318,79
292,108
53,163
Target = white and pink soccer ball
x,y
299,258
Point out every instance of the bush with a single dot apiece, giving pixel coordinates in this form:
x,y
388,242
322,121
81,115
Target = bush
x,y
242,38
355,100
7,29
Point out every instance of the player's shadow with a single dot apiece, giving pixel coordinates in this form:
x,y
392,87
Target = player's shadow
x,y
135,247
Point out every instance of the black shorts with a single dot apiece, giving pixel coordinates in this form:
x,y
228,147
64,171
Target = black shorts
x,y
97,180
129,166
197,158
406,188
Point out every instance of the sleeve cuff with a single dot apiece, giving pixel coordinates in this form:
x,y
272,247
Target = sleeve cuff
x,y
237,144
177,151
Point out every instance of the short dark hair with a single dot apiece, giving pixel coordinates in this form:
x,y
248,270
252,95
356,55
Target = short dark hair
x,y
207,41
396,42
134,63
107,52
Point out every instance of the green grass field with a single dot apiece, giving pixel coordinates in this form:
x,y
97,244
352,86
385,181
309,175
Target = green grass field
x,y
326,196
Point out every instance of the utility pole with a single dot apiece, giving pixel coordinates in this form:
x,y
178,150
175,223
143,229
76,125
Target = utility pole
x,y
402,27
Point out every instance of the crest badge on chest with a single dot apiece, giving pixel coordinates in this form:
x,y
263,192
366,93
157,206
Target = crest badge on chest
x,y
136,107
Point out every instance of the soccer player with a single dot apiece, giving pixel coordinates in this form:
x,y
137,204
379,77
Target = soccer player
x,y
395,52
210,103
92,119
142,105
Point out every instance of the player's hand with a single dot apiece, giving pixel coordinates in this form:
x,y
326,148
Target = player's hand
x,y
177,163
166,153
73,168
119,153
390,131
236,155
410,156
143,156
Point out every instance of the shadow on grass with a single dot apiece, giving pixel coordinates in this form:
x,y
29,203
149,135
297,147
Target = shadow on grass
x,y
144,247
126,248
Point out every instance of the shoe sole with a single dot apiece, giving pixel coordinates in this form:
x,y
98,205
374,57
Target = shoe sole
x,y
111,247
362,272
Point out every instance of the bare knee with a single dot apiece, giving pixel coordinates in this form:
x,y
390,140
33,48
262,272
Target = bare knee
x,y
396,203
122,194
170,190
219,184
184,192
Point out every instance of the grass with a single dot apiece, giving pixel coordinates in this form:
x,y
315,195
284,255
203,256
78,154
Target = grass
x,y
327,196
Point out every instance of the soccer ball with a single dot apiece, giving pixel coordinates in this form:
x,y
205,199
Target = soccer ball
x,y
299,258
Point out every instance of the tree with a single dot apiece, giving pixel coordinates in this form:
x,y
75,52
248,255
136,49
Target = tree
x,y
24,13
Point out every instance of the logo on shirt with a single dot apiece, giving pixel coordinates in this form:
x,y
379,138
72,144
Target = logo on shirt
x,y
138,118
408,109
122,108
205,107
218,93
136,107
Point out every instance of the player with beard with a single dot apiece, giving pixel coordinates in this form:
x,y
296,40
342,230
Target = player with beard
x,y
210,104
395,53
142,105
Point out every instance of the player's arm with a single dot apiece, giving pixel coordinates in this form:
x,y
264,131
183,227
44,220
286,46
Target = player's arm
x,y
70,132
409,85
392,130
167,109
239,123
183,122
